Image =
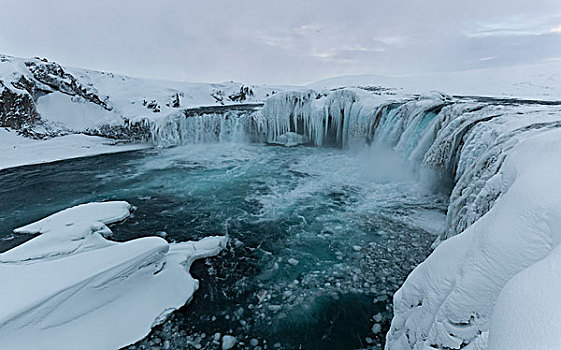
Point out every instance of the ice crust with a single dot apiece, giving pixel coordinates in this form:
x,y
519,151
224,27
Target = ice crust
x,y
70,288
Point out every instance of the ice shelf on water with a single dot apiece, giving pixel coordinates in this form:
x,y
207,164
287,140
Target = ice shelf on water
x,y
71,288
16,150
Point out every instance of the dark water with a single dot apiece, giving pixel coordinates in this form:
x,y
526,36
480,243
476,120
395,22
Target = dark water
x,y
356,221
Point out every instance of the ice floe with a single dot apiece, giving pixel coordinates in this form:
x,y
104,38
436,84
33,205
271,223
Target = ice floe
x,y
71,288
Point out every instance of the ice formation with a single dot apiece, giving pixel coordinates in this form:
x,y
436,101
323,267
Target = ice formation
x,y
71,288
179,129
323,119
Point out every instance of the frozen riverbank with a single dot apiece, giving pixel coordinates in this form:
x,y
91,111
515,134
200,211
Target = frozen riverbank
x,y
16,150
491,285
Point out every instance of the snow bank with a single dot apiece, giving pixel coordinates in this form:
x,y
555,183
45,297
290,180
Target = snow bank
x,y
17,150
448,301
70,288
74,113
105,212
527,312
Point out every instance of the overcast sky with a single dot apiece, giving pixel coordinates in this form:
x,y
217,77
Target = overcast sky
x,y
283,41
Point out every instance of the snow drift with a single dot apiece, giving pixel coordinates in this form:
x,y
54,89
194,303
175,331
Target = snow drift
x,y
71,288
449,300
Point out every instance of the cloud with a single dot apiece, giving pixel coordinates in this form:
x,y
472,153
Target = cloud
x,y
281,42
556,30
488,58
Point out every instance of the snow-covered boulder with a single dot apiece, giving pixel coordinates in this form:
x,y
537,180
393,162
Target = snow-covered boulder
x,y
70,288
290,139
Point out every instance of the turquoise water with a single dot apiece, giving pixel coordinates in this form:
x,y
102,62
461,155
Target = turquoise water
x,y
355,220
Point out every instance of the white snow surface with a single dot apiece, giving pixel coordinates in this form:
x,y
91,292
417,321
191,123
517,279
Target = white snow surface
x,y
16,150
70,288
526,314
74,113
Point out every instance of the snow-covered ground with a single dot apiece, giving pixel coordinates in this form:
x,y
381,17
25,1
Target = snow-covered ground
x,y
45,99
72,100
539,81
16,150
71,288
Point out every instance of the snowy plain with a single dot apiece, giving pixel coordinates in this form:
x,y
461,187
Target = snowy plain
x,y
538,82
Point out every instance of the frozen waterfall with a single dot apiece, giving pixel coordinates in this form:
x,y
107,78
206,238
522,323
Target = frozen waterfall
x,y
474,143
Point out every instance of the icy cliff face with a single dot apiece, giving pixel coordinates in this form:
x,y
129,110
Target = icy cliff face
x,y
479,289
97,282
206,125
339,117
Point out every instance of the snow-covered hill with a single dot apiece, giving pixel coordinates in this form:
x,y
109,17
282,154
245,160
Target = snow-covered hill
x,y
536,82
42,98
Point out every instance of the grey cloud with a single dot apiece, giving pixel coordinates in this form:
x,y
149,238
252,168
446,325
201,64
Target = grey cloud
x,y
289,41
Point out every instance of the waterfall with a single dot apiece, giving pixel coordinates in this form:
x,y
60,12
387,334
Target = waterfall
x,y
182,129
458,139
464,140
